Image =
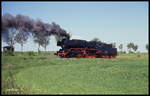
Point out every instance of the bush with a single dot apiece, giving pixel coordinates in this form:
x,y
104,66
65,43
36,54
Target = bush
x,y
131,52
138,55
9,53
123,52
31,53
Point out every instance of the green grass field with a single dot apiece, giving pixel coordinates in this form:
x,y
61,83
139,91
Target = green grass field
x,y
48,74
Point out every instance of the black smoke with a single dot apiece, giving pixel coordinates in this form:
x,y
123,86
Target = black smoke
x,y
28,25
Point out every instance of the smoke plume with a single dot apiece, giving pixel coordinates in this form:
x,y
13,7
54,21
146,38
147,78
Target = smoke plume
x,y
35,27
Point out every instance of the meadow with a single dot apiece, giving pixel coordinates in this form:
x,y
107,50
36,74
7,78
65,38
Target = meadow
x,y
45,73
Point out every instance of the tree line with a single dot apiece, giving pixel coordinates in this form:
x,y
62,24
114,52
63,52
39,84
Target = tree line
x,y
132,48
20,37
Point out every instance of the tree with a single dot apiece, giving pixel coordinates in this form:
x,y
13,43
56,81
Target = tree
x,y
41,41
96,39
45,42
21,38
147,46
60,38
130,46
10,37
57,38
121,47
135,47
113,44
38,40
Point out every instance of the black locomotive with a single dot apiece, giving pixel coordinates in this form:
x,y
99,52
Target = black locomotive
x,y
85,49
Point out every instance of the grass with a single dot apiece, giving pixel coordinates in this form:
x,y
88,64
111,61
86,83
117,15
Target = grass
x,y
46,73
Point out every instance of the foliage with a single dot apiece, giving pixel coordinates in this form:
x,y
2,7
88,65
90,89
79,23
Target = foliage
x,y
135,47
57,38
45,42
60,38
129,46
42,41
11,35
31,53
21,38
147,46
8,53
123,52
132,46
113,44
38,40
96,40
121,47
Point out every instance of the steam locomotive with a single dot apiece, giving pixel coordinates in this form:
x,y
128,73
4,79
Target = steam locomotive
x,y
85,49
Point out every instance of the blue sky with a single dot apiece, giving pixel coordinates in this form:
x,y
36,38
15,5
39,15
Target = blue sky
x,y
120,22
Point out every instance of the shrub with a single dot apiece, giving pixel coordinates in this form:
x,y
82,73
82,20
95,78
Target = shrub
x,y
31,53
9,53
138,55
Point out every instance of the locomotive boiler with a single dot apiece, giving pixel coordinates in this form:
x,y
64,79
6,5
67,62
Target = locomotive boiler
x,y
85,49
